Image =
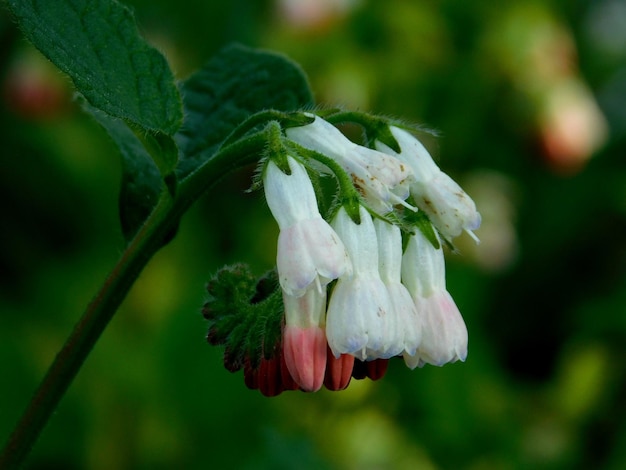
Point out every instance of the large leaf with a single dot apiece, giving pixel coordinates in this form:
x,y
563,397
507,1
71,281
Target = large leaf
x,y
97,44
234,84
141,180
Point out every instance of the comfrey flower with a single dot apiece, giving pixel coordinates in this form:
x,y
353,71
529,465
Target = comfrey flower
x,y
360,318
310,255
382,179
448,207
309,251
405,324
344,299
444,334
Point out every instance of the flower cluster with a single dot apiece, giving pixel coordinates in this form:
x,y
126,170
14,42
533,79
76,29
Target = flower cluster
x,y
352,296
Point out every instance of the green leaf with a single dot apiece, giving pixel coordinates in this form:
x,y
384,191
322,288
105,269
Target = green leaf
x,y
233,85
423,223
141,179
96,42
164,151
244,314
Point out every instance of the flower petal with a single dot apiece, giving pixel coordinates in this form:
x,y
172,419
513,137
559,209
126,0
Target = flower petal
x,y
310,251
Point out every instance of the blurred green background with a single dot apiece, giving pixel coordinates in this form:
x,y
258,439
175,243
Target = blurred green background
x,y
529,98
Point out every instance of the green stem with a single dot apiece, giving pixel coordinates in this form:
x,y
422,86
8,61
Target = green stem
x,y
376,128
85,334
150,238
228,159
286,119
348,195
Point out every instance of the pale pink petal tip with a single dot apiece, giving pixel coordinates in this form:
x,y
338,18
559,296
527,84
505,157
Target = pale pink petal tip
x,y
305,356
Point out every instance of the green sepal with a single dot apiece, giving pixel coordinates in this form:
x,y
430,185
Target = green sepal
x,y
348,196
327,113
275,150
245,315
421,221
375,127
296,119
380,131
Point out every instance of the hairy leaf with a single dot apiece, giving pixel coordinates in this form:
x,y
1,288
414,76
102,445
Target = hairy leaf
x,y
141,180
244,315
96,42
234,84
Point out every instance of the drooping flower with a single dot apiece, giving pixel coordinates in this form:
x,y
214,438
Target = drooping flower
x,y
357,320
404,324
309,250
448,207
444,334
382,179
384,303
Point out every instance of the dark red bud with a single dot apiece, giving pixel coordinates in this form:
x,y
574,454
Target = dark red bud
x,y
250,375
377,368
338,371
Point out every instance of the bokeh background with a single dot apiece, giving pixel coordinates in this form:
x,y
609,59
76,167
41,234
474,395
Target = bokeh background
x,y
529,99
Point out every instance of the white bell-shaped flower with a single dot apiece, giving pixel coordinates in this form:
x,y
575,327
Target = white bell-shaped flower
x,y
309,250
382,179
444,334
357,317
448,207
404,327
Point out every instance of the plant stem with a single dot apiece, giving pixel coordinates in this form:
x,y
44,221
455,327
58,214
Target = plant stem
x,y
85,334
148,240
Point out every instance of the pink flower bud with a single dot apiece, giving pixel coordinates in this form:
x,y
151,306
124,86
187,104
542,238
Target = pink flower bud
x,y
305,356
309,251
